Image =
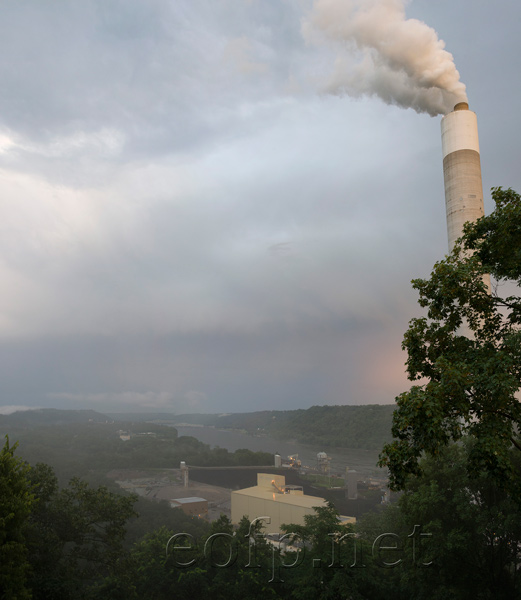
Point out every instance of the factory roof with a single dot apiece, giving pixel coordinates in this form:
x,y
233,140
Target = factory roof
x,y
293,499
188,500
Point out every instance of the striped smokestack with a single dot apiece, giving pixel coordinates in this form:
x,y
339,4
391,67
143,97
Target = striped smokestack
x,y
461,170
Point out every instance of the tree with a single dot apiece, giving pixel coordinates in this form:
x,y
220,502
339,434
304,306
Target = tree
x,y
466,354
152,574
16,500
327,552
75,537
467,545
93,525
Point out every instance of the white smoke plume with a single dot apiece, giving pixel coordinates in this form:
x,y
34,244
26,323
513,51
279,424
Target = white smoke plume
x,y
384,54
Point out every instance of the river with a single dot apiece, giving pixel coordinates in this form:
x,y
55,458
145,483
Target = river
x,y
362,461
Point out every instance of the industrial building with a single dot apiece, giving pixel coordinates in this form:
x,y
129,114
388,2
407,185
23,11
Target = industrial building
x,y
194,507
272,498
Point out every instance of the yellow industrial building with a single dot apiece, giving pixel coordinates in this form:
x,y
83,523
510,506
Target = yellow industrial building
x,y
271,497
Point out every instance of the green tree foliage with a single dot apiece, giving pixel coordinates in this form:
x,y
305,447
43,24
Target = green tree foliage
x,y
78,449
74,536
249,557
49,416
324,572
216,564
466,354
152,574
92,525
16,501
468,543
365,427
153,516
43,542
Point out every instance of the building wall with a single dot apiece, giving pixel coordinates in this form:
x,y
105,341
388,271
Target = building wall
x,y
192,508
279,512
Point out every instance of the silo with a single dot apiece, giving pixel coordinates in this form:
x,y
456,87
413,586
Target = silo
x,y
461,170
184,473
351,481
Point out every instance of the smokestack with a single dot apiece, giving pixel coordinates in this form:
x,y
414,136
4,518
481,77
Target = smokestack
x,y
461,170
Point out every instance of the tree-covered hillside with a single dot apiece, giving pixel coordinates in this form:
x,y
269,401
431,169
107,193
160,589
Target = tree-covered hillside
x,y
366,427
50,416
81,448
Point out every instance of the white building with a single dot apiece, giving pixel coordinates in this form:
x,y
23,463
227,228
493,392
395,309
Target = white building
x,y
271,497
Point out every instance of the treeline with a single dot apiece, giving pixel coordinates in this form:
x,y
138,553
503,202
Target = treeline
x,y
75,541
81,448
365,427
49,416
449,536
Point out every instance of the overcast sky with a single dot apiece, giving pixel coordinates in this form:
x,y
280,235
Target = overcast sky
x,y
201,212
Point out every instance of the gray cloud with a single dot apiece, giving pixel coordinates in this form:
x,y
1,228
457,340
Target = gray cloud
x,y
187,222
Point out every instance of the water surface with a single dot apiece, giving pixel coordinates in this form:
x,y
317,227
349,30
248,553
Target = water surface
x,y
363,461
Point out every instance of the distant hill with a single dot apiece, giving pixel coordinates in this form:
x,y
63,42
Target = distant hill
x,y
50,416
91,447
367,427
139,417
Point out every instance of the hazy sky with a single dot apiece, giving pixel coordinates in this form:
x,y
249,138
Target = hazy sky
x,y
203,208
